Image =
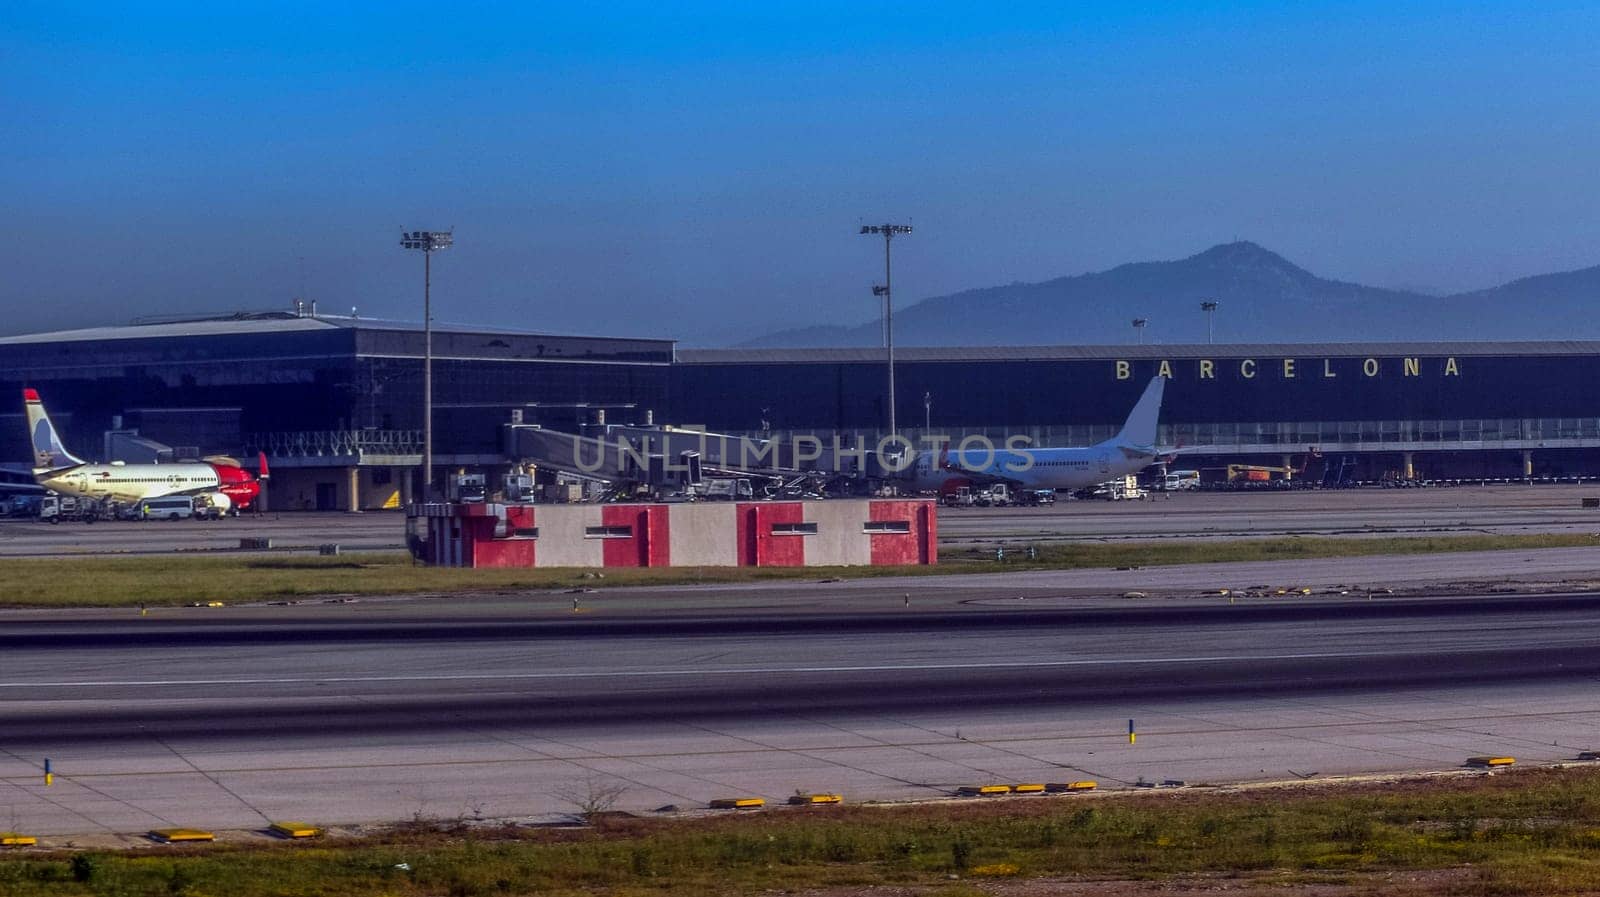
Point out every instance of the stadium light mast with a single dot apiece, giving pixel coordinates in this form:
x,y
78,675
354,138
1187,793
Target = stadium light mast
x,y
888,231
427,242
1138,327
1209,306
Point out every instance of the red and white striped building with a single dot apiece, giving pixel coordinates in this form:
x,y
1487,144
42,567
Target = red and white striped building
x,y
846,532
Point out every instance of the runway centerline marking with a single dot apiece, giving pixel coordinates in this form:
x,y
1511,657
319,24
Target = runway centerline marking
x,y
731,671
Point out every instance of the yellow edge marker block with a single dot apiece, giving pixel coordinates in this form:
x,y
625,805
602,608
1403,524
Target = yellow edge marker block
x,y
12,839
1059,787
812,799
176,835
1029,788
983,790
738,803
294,829
1491,761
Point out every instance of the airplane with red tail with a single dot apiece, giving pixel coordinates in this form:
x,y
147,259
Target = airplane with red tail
x,y
221,481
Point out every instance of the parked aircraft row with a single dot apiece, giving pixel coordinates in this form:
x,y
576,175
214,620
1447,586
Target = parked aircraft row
x,y
227,485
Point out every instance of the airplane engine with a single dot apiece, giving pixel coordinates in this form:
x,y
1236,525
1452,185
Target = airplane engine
x,y
217,503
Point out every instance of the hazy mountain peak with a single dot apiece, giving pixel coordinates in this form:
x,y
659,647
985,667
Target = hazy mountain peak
x,y
1245,254
1262,296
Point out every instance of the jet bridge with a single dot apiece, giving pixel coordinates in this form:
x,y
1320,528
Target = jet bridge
x,y
669,455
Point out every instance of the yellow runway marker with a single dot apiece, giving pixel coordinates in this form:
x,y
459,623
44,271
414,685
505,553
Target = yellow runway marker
x,y
180,835
802,800
738,803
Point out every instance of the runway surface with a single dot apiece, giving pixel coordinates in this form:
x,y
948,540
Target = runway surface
x,y
513,707
1201,515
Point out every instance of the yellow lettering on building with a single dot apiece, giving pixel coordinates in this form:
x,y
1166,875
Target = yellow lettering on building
x,y
1288,369
1247,368
1122,370
1370,367
1413,367
1450,369
1327,368
1165,370
1208,370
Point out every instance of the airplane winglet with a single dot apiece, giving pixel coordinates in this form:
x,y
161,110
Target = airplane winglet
x,y
30,395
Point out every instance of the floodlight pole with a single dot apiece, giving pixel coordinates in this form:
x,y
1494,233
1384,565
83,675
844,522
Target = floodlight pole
x,y
428,242
1209,306
1138,327
887,292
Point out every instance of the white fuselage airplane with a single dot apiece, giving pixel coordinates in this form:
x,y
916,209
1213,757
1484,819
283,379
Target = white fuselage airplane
x,y
1131,450
226,485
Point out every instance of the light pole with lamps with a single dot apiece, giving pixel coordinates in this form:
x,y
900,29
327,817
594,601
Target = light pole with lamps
x,y
1138,327
428,242
1209,306
888,231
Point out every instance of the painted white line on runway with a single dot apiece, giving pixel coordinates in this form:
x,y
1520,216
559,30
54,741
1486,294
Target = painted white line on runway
x,y
733,671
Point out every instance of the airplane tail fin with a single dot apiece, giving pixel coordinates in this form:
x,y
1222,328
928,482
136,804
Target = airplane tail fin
x,y
48,452
1140,428
262,473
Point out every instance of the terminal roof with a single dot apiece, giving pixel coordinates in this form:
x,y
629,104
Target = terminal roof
x,y
1092,353
261,324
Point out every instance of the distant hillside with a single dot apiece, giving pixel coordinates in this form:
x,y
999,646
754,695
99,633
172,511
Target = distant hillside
x,y
1263,298
1554,305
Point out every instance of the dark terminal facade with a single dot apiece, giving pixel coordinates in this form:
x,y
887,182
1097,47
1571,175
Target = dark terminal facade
x,y
1464,409
336,403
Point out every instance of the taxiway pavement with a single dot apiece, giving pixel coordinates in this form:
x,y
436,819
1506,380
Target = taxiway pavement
x,y
229,717
1378,513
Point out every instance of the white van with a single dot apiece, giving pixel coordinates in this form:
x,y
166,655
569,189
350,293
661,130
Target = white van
x,y
1180,480
173,507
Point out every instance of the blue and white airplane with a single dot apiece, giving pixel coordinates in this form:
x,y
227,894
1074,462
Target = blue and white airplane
x,y
1130,451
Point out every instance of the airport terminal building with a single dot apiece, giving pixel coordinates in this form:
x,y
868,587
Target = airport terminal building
x,y
1458,410
335,402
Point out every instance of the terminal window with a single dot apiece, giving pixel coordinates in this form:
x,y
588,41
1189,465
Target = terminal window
x,y
794,529
886,526
608,532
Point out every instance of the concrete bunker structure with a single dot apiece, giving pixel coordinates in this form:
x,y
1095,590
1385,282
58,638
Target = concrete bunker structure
x,y
851,532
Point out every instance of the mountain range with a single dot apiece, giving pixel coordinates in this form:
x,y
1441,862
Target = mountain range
x,y
1261,296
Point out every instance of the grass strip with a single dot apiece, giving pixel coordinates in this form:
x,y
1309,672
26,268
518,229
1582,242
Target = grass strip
x,y
1059,556
1528,832
185,579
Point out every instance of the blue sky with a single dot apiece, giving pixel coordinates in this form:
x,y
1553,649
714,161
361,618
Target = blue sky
x,y
701,172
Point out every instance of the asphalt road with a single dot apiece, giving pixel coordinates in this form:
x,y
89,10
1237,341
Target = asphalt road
x,y
377,531
1204,515
1501,509
344,713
